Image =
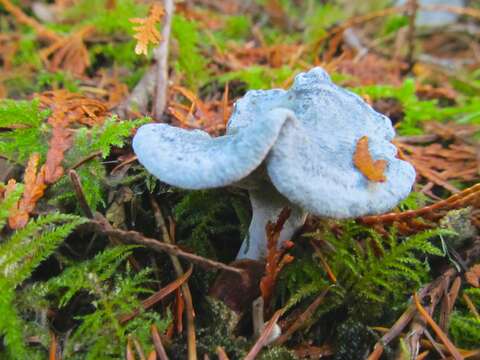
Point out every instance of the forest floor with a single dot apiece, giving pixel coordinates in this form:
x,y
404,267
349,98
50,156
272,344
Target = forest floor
x,y
100,260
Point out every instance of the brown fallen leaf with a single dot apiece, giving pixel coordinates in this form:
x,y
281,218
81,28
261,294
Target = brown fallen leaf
x,y
362,159
146,32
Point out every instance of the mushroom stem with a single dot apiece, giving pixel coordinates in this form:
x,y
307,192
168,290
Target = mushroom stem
x,y
267,203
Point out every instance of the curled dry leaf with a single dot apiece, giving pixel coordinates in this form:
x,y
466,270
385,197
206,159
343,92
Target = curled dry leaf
x,y
473,276
372,169
34,189
146,32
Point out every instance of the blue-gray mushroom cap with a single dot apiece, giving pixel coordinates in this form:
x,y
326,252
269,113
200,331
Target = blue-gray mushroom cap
x,y
305,136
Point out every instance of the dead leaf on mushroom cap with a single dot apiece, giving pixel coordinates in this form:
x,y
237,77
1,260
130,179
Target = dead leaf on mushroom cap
x,y
373,170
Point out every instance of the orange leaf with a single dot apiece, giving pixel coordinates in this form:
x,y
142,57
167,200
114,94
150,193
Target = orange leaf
x,y
372,169
146,31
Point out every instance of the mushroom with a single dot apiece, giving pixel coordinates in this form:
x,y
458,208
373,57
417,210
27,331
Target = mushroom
x,y
289,148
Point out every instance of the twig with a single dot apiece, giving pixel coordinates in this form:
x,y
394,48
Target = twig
x,y
449,301
168,238
139,349
80,194
86,159
77,187
140,95
129,354
418,325
397,328
303,318
470,254
441,335
159,295
157,342
160,54
452,202
471,305
412,8
435,345
102,226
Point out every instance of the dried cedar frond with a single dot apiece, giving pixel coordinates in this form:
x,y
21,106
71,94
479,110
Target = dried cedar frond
x,y
146,32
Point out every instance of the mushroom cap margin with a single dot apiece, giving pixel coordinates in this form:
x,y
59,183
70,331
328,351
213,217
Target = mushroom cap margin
x,y
194,160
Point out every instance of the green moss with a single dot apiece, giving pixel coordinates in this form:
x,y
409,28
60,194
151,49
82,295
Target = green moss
x,y
189,60
259,77
464,327
107,21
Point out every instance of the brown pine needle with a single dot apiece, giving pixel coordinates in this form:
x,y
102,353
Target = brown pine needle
x,y
262,340
438,331
324,263
159,295
471,305
222,355
226,110
53,348
157,342
130,355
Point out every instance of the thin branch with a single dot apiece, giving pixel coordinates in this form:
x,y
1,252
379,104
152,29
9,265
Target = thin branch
x,y
102,226
470,255
86,159
77,187
412,8
159,295
441,335
160,54
303,318
168,238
